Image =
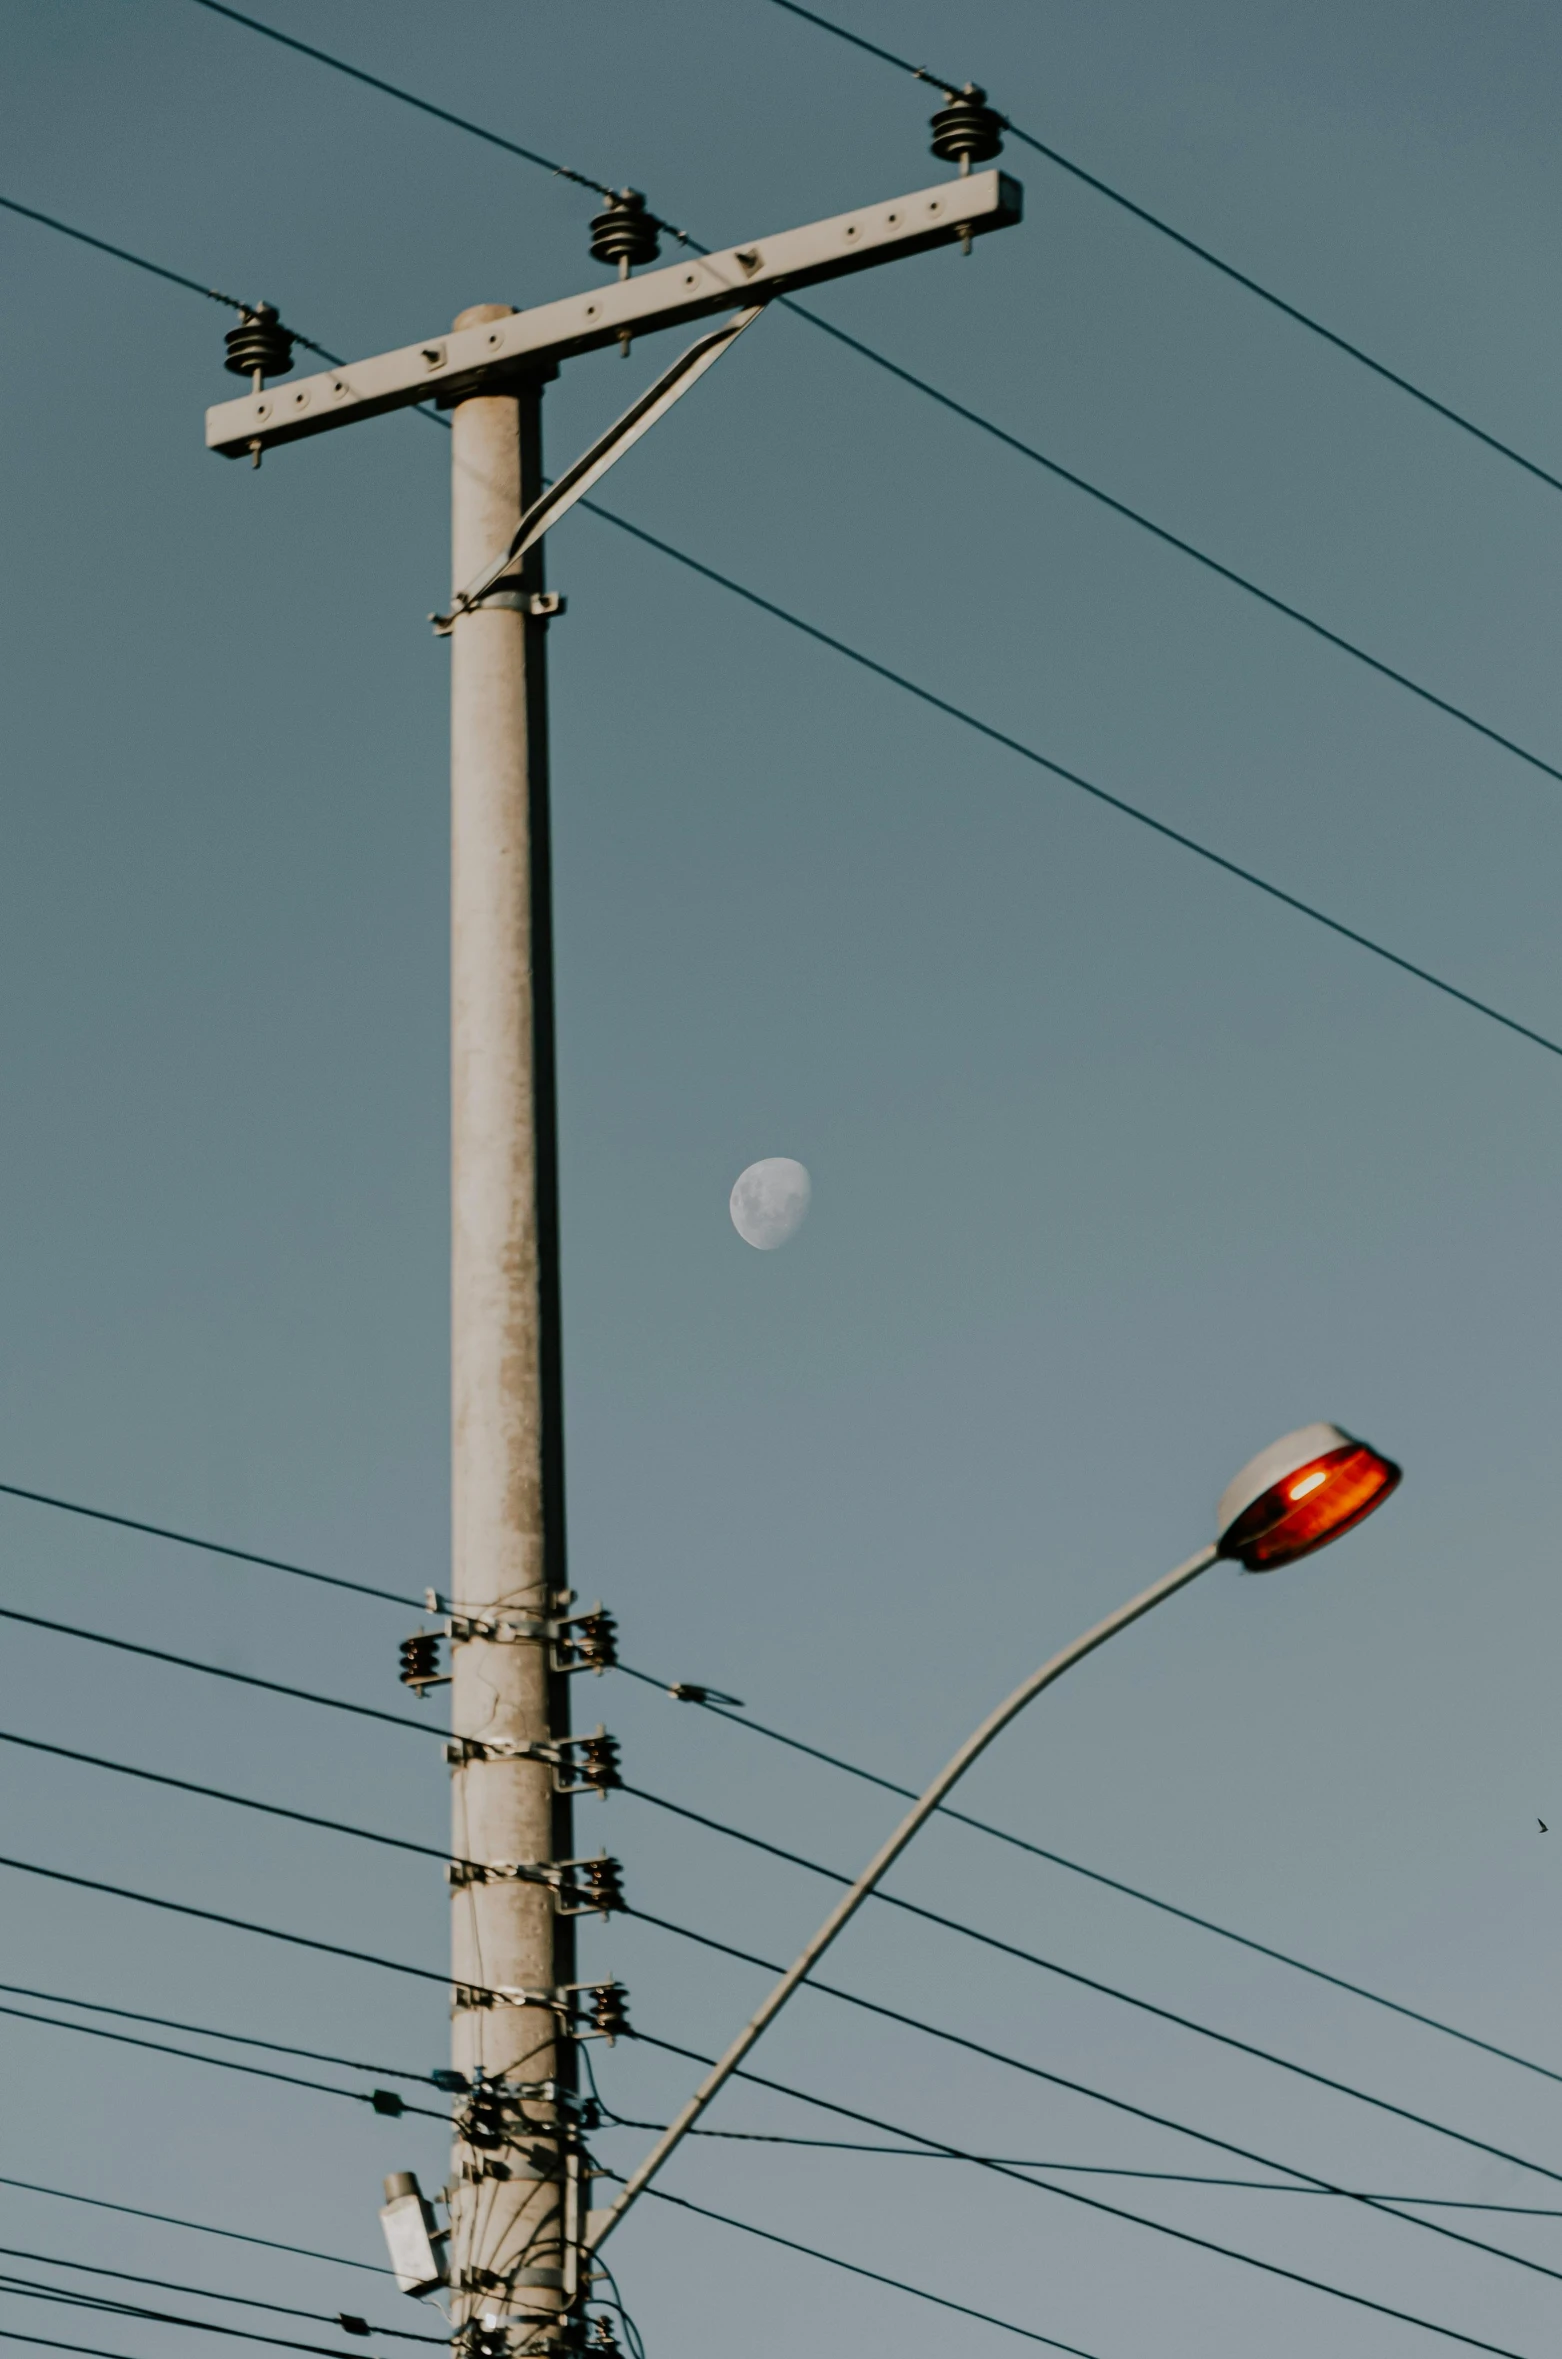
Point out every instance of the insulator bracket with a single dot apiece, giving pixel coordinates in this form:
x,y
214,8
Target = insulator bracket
x,y
581,1764
581,1887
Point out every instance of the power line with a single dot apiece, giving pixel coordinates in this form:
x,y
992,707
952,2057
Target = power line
x,y
1191,246
1109,1990
185,1785
185,1908
49,2342
919,2293
937,2148
424,106
21,2289
382,2100
102,1515
1090,2170
1383,2206
1183,2236
793,1859
1073,778
15,2252
402,1843
1073,2195
365,1834
303,2252
1100,794
707,1941
137,262
683,1693
687,1692
1019,2064
960,409
1085,2170
1185,548
276,1687
243,2039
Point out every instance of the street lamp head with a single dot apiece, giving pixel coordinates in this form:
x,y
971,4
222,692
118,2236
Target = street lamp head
x,y
1299,1494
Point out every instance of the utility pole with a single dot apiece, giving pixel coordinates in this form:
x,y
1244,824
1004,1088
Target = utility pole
x,y
519,2266
507,1442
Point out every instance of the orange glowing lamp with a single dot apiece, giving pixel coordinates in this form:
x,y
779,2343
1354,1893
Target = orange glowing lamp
x,y
1299,1494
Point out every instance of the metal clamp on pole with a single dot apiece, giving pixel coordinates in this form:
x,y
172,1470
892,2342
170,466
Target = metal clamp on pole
x,y
590,468
581,1887
584,1764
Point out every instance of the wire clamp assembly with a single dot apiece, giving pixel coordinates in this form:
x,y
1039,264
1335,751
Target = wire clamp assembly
x,y
541,605
581,1887
576,1642
582,1764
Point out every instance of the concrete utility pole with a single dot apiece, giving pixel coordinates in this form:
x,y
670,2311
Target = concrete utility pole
x,y
507,1441
519,2267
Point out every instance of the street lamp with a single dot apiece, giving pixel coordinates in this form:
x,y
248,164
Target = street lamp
x,y
1302,1492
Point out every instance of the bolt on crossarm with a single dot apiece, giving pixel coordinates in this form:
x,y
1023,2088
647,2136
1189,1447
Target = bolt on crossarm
x,y
1302,1492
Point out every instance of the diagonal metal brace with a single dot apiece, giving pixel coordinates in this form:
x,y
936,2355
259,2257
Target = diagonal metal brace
x,y
604,453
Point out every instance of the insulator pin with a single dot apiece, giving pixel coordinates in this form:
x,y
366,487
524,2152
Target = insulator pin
x,y
609,2010
420,1661
596,1761
592,1642
260,346
624,234
598,1887
967,131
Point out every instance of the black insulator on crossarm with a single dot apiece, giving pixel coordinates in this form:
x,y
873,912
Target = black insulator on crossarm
x,y
967,130
260,346
625,234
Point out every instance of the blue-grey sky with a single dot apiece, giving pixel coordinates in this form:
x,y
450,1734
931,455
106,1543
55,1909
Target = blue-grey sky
x,y
1118,1169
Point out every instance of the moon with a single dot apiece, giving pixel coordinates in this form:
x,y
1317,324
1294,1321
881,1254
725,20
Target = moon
x,y
769,1202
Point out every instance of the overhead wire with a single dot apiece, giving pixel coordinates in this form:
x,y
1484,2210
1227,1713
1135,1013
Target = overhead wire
x,y
104,2306
1380,2205
959,409
920,2293
1032,755
276,1687
50,2342
931,2152
242,2039
424,106
160,270
1184,2236
101,2203
690,1692
382,2100
706,1941
1100,794
1186,548
724,1709
207,2293
876,2007
402,1843
1064,1973
186,1908
813,1867
185,1785
1013,2063
131,1523
1189,245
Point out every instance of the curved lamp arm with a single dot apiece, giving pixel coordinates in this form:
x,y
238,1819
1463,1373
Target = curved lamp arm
x,y
878,1867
